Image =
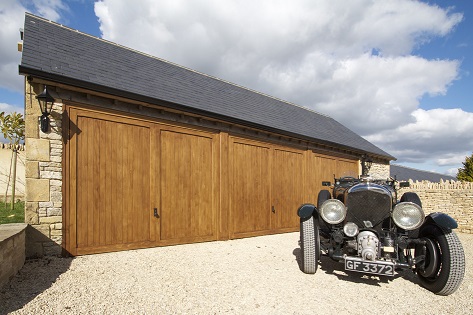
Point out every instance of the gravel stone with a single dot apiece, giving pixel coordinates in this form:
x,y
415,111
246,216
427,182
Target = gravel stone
x,y
259,275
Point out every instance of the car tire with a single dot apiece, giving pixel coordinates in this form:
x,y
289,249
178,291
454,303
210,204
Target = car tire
x,y
445,260
310,245
411,197
322,197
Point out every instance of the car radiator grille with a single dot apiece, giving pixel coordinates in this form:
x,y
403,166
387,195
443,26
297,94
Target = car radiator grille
x,y
368,206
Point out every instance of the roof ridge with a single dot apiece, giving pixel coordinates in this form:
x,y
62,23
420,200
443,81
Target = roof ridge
x,y
177,65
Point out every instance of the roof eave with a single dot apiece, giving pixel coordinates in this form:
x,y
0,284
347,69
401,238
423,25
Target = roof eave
x,y
141,98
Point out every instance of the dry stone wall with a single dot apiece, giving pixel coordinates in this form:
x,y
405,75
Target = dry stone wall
x,y
5,161
451,197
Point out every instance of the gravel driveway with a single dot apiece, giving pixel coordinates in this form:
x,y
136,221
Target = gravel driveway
x,y
257,275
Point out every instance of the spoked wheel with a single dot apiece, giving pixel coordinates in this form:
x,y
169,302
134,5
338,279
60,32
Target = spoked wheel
x,y
444,266
310,245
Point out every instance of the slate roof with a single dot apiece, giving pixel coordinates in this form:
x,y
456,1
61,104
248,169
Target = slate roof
x,y
60,54
403,173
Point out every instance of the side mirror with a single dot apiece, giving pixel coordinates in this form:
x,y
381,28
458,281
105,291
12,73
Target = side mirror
x,y
404,184
326,184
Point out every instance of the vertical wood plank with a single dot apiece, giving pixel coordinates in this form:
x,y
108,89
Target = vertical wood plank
x,y
224,188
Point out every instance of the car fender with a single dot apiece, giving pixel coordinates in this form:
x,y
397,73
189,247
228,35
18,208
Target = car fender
x,y
306,211
442,220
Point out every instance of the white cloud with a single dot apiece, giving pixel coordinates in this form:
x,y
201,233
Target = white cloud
x,y
367,93
12,14
49,9
7,108
452,172
351,60
442,135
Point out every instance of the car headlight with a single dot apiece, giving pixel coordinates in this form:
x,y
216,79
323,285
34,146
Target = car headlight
x,y
333,211
350,229
408,215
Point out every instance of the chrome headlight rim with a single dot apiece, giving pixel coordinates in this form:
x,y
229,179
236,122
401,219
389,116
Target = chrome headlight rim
x,y
351,229
333,211
409,211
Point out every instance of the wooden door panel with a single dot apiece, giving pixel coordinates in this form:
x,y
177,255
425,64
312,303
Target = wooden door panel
x,y
111,206
347,168
324,168
251,188
188,185
287,188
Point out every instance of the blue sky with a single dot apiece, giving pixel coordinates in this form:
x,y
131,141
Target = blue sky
x,y
399,73
457,45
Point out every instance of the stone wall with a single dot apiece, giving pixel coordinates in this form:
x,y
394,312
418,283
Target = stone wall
x,y
451,197
5,160
12,250
43,176
379,170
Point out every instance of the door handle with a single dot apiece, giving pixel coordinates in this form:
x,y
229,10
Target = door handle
x,y
273,210
156,213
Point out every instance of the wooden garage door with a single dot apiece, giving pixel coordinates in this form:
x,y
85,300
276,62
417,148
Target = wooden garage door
x,y
188,184
324,168
135,183
110,184
250,179
266,188
288,186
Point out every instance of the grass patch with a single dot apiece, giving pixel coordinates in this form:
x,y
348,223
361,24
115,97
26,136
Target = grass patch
x,y
15,216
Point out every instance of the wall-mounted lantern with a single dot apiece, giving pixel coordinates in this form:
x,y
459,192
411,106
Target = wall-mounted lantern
x,y
45,101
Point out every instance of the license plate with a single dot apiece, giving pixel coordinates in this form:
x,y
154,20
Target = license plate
x,y
378,267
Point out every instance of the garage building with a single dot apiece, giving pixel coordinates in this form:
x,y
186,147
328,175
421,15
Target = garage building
x,y
141,152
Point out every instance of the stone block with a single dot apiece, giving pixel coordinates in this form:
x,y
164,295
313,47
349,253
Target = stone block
x,y
32,126
41,232
52,250
37,189
31,169
54,136
38,149
51,175
31,213
56,196
57,159
50,220
56,233
53,212
55,183
46,204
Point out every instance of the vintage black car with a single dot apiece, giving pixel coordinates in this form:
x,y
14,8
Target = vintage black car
x,y
362,224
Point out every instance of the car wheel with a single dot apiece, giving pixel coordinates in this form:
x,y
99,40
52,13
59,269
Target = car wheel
x,y
310,245
411,197
323,196
444,266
